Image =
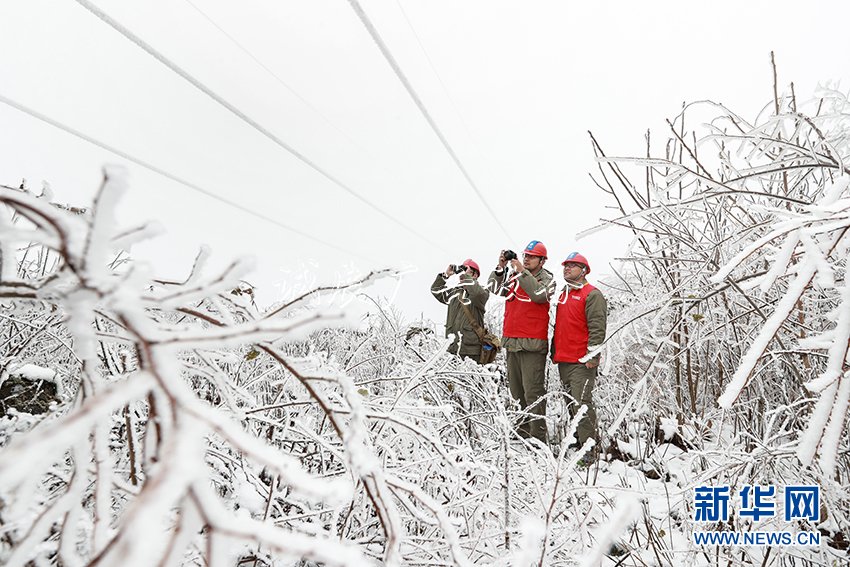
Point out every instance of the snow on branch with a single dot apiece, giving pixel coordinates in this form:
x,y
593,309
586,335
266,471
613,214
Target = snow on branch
x,y
226,434
743,228
133,379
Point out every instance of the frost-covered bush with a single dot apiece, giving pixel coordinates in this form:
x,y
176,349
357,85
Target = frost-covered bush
x,y
190,427
193,428
732,310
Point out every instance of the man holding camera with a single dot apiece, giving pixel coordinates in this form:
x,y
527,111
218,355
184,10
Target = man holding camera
x,y
528,288
468,298
580,326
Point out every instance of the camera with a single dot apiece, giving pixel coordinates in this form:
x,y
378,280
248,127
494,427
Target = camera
x,y
459,268
510,255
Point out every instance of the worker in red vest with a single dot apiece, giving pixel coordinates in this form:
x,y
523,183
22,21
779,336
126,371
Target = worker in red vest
x,y
529,289
580,322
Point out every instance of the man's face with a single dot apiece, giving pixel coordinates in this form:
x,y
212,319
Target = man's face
x,y
573,271
469,271
532,263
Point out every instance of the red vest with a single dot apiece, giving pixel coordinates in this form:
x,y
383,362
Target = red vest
x,y
571,325
525,319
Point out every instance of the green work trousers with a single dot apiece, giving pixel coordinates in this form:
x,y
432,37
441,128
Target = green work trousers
x,y
578,381
527,382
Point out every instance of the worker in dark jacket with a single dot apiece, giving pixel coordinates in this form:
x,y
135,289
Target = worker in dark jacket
x,y
528,288
580,326
467,344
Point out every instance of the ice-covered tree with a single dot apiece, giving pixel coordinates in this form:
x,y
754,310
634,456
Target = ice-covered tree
x,y
732,306
188,426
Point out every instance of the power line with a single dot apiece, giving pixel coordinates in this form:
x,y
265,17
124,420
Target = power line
x,y
275,76
433,68
47,120
242,116
295,93
421,106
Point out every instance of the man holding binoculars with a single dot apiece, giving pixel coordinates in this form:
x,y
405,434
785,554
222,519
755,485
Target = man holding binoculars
x,y
465,300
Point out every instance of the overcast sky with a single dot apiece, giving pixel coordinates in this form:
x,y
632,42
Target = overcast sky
x,y
514,87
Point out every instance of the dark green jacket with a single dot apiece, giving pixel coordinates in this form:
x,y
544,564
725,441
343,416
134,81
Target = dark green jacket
x,y
470,292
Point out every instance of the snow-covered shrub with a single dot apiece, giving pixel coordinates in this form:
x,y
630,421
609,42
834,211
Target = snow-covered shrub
x,y
732,311
156,437
193,428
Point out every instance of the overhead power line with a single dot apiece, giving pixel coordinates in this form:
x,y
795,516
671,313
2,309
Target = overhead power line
x,y
47,120
376,37
275,76
433,68
296,94
244,117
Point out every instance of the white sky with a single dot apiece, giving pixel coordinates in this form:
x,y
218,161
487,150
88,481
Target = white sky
x,y
526,80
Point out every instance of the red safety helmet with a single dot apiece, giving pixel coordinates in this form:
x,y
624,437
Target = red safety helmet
x,y
577,258
470,263
536,248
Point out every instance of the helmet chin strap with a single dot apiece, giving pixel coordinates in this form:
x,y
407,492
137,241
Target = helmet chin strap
x,y
577,284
